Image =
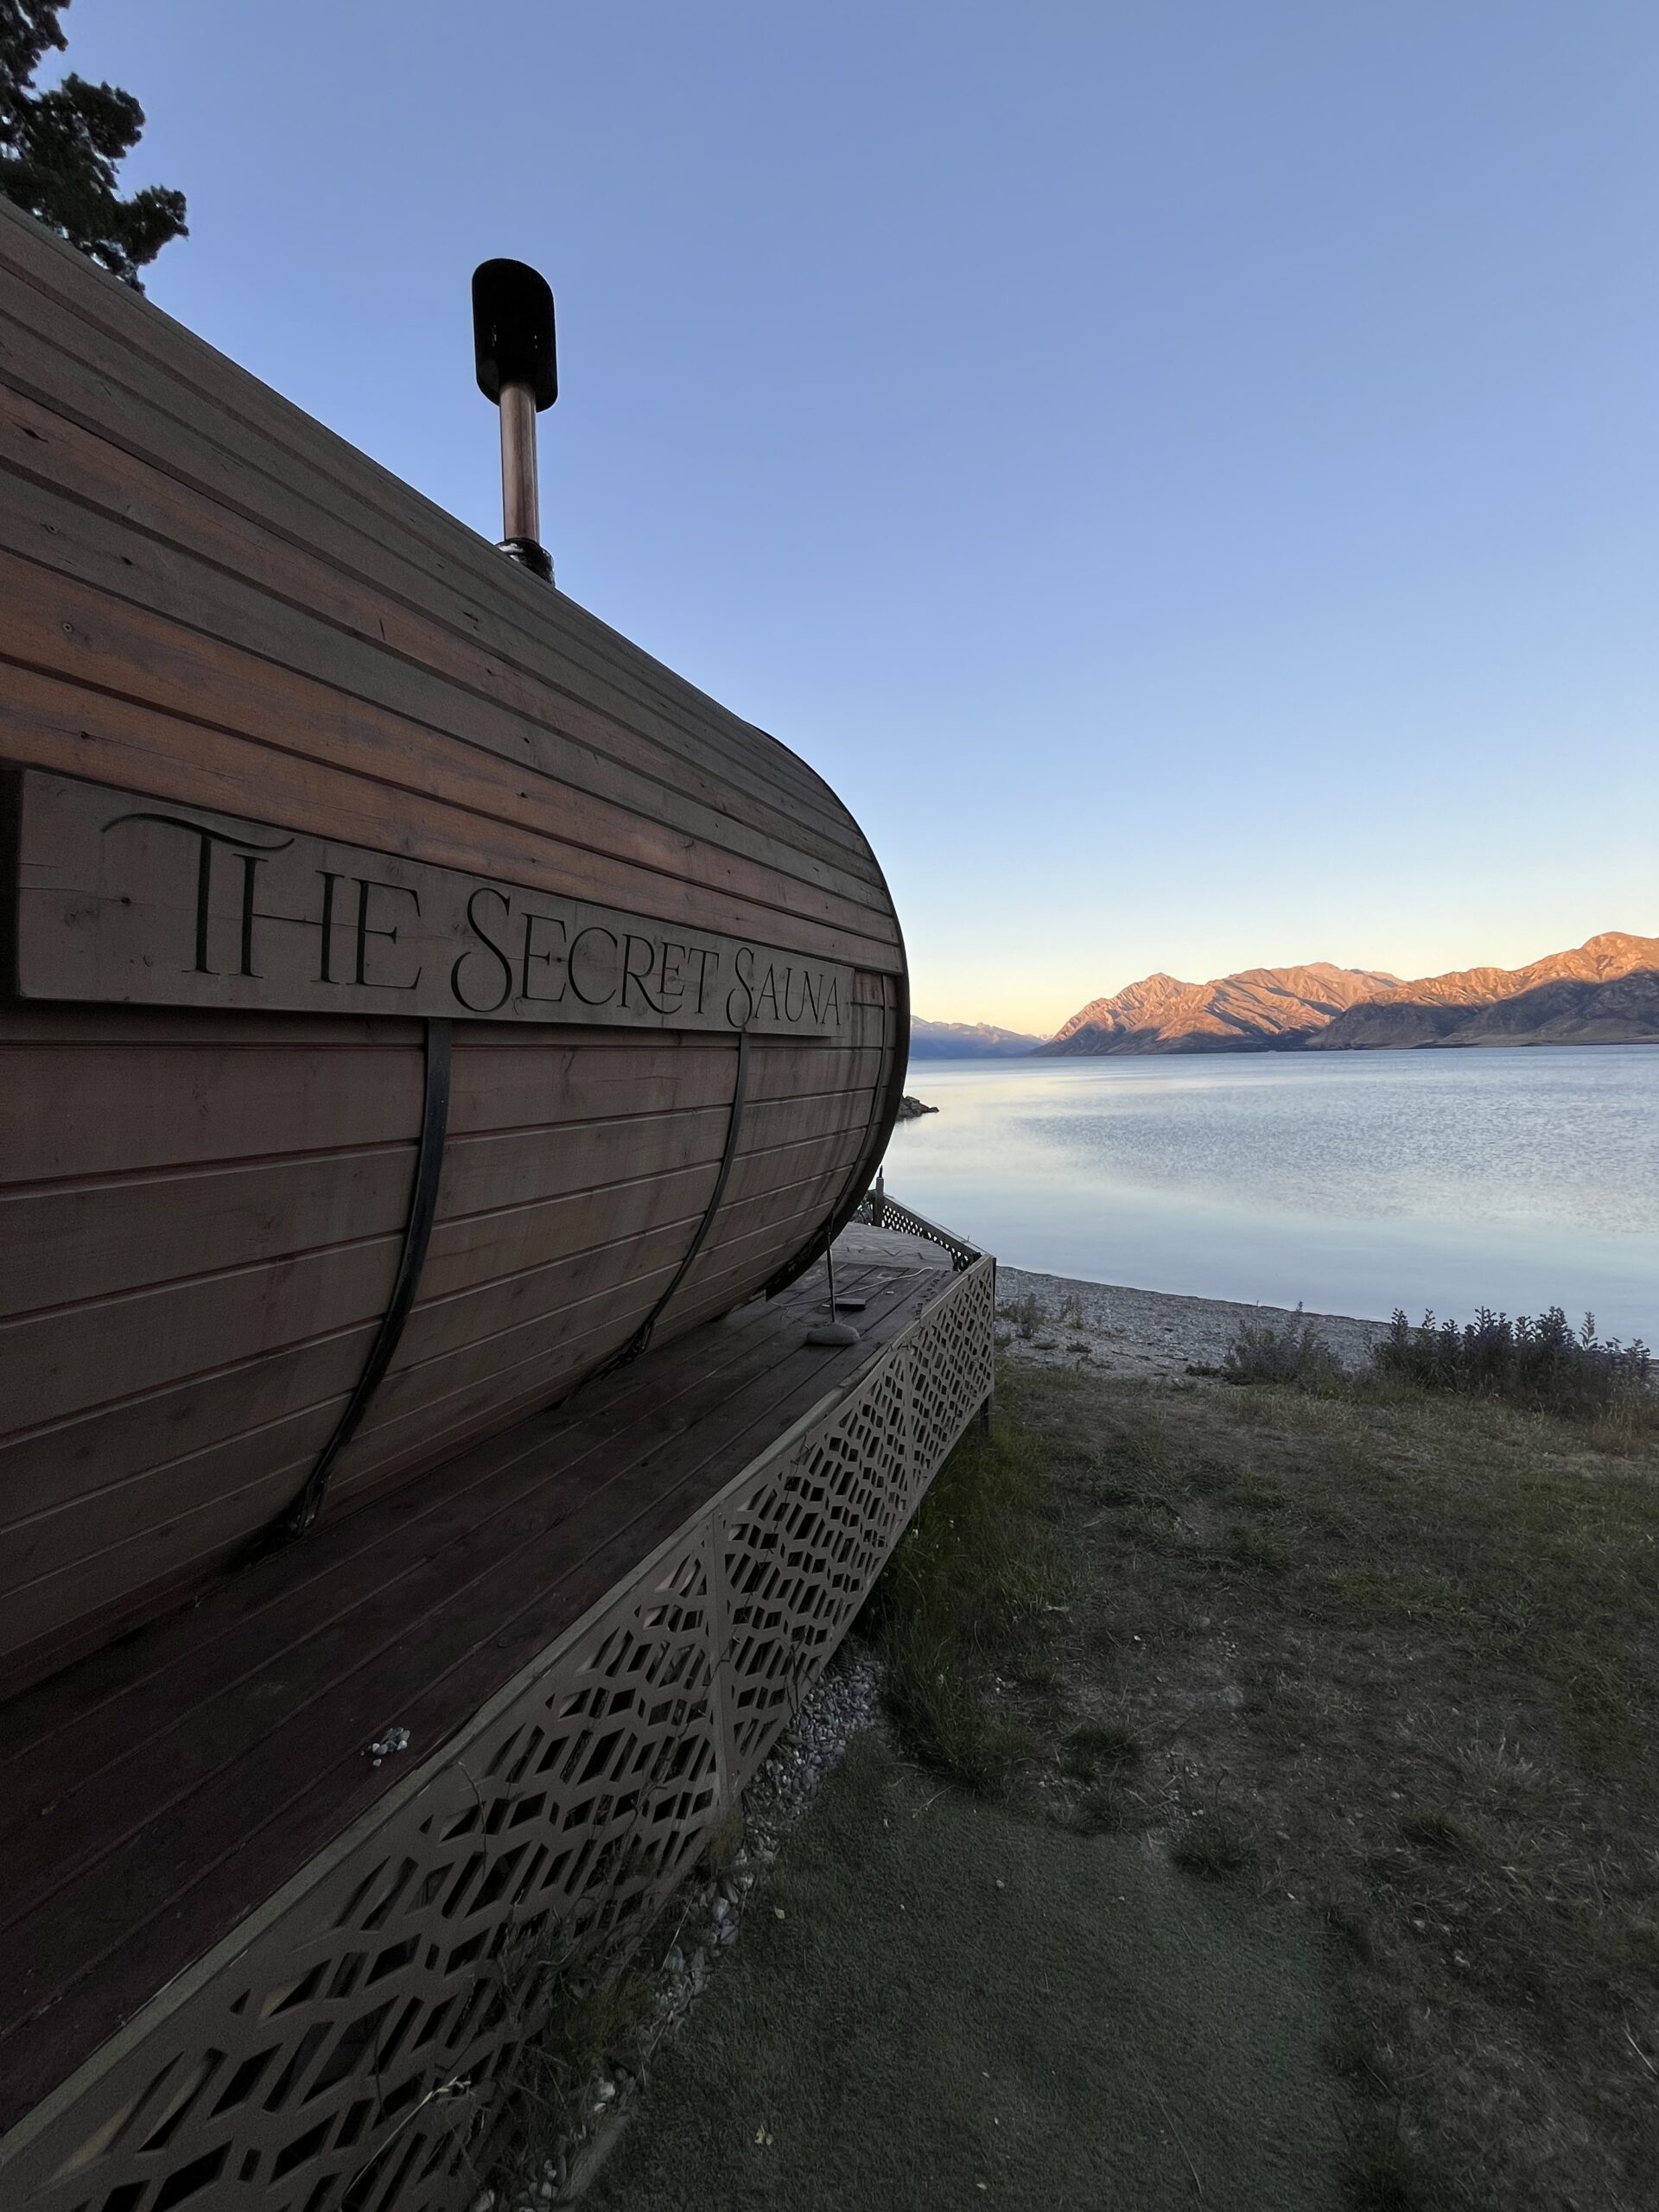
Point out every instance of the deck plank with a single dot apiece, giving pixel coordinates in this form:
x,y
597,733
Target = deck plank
x,y
160,1791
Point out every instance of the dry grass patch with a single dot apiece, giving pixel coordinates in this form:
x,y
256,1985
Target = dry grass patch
x,y
968,1605
1390,1654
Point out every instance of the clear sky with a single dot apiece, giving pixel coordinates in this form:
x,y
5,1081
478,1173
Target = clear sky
x,y
1186,471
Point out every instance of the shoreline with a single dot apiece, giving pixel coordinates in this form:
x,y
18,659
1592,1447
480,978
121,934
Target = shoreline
x,y
1113,1326
1220,1051
1130,1332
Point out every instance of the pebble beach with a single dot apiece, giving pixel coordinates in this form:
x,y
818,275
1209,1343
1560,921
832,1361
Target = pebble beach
x,y
1056,1320
1145,1331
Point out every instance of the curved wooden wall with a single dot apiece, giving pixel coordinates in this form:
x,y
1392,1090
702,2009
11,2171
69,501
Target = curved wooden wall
x,y
212,601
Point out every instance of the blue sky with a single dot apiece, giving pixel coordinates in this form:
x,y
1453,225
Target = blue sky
x,y
1186,471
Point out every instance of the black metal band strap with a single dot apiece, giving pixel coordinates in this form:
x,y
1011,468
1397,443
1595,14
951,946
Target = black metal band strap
x,y
641,1337
851,1194
417,1234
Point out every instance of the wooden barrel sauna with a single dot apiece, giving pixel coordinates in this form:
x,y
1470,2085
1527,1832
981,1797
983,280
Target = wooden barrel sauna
x,y
416,997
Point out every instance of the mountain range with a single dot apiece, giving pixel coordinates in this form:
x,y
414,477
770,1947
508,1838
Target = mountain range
x,y
1604,992
966,1040
1261,1009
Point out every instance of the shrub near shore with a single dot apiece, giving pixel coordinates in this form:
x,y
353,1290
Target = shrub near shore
x,y
1544,1366
1384,1648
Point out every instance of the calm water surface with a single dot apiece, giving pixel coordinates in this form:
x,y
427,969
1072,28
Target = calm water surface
x,y
1353,1181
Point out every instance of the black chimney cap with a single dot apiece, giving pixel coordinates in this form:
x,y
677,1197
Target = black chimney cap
x,y
513,331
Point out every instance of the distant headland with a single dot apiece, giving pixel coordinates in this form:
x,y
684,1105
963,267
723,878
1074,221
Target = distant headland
x,y
1604,992
966,1040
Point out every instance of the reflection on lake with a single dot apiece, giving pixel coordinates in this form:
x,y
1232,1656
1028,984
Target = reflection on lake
x,y
1353,1181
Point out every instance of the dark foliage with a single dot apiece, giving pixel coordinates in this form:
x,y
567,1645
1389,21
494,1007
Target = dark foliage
x,y
1296,1354
59,150
1543,1366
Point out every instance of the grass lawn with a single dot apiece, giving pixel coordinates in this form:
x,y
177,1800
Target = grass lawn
x,y
1312,1737
959,2004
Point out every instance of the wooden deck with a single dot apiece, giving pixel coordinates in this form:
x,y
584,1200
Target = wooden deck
x,y
157,1794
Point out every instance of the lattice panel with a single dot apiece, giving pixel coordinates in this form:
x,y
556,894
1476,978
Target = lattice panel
x,y
800,1547
883,1213
806,1537
952,1371
342,2052
305,2077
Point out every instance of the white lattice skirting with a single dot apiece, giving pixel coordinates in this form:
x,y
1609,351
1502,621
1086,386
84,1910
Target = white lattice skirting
x,y
341,2052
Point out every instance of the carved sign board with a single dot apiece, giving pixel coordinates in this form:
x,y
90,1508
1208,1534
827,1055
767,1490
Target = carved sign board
x,y
124,898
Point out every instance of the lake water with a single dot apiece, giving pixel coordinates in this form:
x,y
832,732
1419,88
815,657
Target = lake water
x,y
1354,1182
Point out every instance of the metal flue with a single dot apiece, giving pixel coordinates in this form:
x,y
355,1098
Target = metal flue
x,y
517,360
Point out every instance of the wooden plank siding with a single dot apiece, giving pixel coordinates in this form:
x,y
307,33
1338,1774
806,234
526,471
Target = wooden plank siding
x,y
212,601
157,393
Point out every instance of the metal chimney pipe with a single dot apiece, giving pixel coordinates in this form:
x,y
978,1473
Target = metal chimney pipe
x,y
521,515
517,367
